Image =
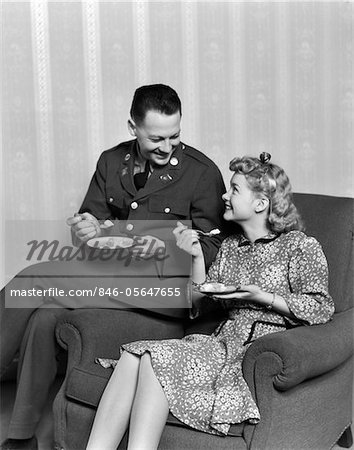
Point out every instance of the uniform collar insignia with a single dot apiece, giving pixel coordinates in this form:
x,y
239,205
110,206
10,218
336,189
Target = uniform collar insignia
x,y
175,162
166,177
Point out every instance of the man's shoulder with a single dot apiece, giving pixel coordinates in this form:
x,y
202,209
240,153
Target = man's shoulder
x,y
197,156
118,150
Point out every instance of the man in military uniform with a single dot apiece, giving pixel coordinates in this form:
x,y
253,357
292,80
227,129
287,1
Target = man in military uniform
x,y
180,182
150,179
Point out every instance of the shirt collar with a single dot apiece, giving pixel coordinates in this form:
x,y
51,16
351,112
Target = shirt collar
x,y
139,161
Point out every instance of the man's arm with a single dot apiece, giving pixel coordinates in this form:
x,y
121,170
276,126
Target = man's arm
x,y
85,224
95,201
208,209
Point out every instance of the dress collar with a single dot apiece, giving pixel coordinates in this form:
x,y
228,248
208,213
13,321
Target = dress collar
x,y
267,238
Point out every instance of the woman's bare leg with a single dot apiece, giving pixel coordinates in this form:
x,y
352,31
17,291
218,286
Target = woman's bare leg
x,y
113,413
150,409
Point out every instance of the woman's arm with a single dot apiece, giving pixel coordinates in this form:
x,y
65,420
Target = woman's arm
x,y
255,294
188,240
309,299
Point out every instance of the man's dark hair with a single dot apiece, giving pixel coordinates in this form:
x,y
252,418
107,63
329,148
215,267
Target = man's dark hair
x,y
156,97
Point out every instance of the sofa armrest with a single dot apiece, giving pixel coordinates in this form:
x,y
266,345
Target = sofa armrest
x,y
91,333
302,352
86,334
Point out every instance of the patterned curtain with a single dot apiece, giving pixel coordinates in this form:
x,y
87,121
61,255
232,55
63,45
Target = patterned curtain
x,y
252,76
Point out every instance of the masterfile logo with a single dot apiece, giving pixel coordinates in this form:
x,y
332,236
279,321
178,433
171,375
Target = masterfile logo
x,y
45,269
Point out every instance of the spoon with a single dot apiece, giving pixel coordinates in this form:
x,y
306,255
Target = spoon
x,y
210,233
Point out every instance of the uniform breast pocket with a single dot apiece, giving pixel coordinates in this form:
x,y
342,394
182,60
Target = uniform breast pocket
x,y
168,208
117,204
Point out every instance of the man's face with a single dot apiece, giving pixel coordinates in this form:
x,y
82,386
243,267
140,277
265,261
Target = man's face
x,y
158,136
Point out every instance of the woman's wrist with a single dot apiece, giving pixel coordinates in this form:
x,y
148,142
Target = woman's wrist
x,y
275,302
198,269
271,304
198,255
266,299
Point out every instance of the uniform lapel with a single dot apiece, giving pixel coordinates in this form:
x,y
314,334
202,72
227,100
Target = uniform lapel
x,y
127,169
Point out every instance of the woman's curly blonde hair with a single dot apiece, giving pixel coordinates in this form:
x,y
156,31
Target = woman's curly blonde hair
x,y
270,180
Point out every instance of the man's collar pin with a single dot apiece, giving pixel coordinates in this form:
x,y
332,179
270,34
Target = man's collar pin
x,y
166,177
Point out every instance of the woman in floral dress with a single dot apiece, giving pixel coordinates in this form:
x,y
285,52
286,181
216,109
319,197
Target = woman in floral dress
x,y
282,279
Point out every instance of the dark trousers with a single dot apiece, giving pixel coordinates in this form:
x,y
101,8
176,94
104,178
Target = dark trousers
x,y
37,369
28,329
16,311
28,323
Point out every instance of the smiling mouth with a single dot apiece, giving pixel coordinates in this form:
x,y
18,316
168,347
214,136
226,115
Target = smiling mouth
x,y
162,155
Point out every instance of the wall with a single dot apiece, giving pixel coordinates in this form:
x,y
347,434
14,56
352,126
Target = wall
x,y
252,76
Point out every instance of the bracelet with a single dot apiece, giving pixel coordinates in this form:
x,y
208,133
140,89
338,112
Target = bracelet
x,y
270,306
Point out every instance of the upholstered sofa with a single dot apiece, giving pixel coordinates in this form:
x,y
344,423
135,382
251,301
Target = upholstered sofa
x,y
301,378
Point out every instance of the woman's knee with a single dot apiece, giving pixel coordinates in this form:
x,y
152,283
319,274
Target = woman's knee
x,y
146,359
127,361
145,365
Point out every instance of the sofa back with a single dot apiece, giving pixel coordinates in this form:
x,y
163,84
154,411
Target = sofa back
x,y
330,221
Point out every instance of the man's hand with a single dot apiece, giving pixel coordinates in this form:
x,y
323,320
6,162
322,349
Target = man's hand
x,y
84,226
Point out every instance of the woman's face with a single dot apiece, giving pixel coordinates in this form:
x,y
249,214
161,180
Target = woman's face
x,y
240,201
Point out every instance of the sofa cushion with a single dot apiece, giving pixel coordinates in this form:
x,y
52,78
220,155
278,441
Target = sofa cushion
x,y
87,388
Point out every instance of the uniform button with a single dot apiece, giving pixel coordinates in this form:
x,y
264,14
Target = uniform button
x,y
134,205
111,199
130,226
173,161
167,210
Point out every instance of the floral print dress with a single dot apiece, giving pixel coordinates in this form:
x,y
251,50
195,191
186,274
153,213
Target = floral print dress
x,y
201,375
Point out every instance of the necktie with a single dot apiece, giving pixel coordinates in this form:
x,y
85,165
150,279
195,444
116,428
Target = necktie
x,y
141,178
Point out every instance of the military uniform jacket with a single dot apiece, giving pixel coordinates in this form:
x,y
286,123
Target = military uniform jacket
x,y
189,187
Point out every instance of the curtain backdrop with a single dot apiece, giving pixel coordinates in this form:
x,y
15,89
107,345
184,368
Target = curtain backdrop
x,y
252,77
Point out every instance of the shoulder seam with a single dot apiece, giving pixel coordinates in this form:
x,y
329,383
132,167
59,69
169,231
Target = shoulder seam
x,y
198,155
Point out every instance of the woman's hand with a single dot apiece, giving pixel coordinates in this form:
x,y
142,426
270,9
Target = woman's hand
x,y
253,293
188,240
249,292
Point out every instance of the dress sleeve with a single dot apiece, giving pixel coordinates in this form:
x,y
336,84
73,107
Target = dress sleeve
x,y
309,299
